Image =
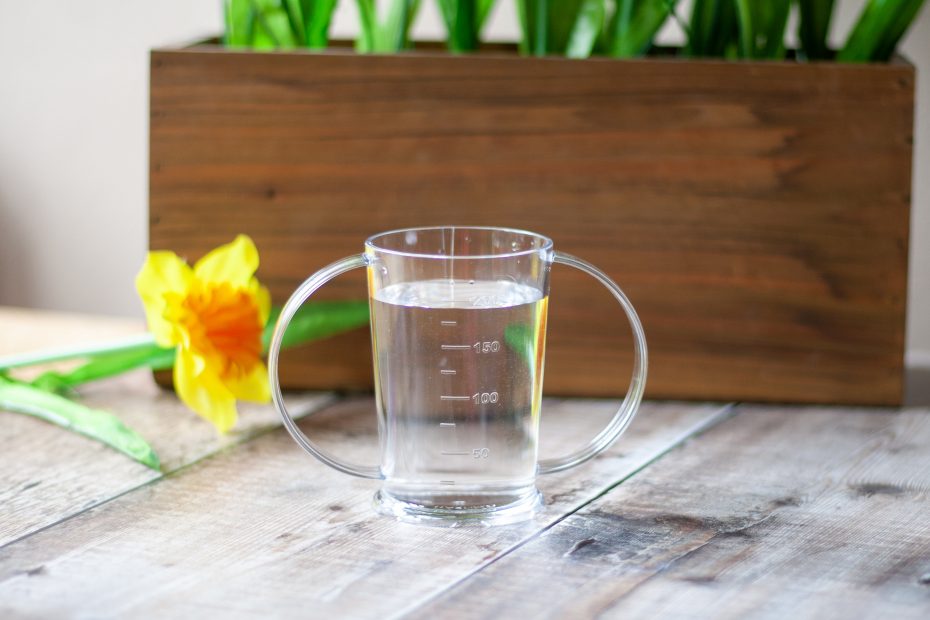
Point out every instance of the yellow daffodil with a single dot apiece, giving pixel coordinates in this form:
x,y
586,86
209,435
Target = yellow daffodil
x,y
214,314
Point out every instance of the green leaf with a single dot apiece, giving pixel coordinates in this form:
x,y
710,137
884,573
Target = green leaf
x,y
588,29
634,26
814,27
295,18
275,24
526,34
561,18
368,24
318,15
239,18
406,19
762,28
391,35
521,338
93,423
463,20
387,36
533,16
880,27
265,24
317,320
547,26
459,19
713,29
484,11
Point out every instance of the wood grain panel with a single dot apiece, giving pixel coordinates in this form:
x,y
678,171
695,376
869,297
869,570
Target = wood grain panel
x,y
755,213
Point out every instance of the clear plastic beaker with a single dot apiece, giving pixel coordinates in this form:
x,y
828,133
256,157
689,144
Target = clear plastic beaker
x,y
458,323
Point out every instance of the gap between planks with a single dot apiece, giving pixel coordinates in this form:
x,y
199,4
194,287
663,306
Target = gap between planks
x,y
725,413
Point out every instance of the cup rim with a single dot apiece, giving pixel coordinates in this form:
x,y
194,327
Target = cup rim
x,y
545,243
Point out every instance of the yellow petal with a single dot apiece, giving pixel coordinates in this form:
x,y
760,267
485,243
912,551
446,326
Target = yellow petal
x,y
233,263
163,273
253,386
262,299
201,390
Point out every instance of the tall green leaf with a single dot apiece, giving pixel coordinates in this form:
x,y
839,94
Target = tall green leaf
x,y
367,25
295,17
318,15
880,27
561,18
274,27
557,26
533,18
484,11
272,24
94,423
713,30
392,34
762,28
814,27
240,19
634,25
589,29
464,20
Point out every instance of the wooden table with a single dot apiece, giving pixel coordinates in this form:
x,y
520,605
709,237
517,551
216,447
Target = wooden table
x,y
701,510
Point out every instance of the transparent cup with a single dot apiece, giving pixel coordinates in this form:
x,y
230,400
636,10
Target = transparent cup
x,y
458,324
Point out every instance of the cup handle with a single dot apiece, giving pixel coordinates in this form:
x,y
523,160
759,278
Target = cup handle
x,y
634,393
300,296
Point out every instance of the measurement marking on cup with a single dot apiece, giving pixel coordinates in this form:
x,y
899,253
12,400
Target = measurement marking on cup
x,y
447,372
447,482
448,323
455,453
452,424
446,397
455,347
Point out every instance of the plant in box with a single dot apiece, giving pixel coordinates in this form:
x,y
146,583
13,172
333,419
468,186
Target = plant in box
x,y
580,28
764,240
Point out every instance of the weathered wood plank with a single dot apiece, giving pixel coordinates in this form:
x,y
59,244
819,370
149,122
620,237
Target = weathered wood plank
x,y
817,513
262,528
48,474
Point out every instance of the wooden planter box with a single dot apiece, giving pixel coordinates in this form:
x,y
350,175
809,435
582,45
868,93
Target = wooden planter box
x,y
755,213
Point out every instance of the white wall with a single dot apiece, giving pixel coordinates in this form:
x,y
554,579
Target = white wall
x,y
73,144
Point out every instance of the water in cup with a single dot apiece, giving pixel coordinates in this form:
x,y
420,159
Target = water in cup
x,y
459,366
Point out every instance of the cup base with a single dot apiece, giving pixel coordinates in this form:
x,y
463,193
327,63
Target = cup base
x,y
458,516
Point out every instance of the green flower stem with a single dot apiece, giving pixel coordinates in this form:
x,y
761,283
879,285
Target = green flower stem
x,y
314,321
42,397
133,343
107,365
